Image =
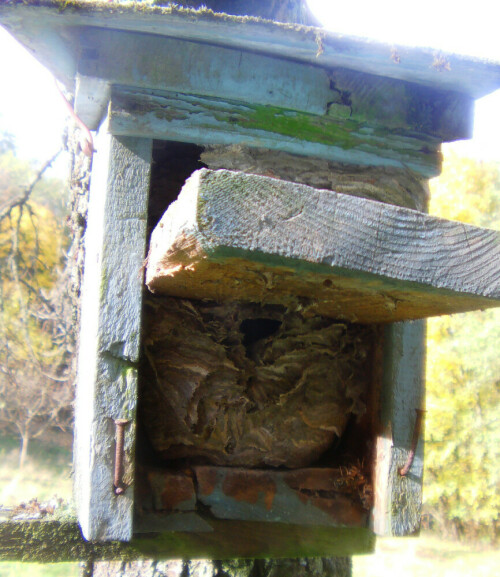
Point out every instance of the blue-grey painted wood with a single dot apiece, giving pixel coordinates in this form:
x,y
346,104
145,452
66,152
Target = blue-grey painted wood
x,y
208,121
47,19
91,99
227,231
155,62
398,500
110,333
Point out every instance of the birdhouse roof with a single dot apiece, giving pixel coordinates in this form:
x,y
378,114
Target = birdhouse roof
x,y
49,29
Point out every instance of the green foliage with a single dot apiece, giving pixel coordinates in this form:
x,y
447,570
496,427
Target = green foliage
x,y
467,190
463,376
34,387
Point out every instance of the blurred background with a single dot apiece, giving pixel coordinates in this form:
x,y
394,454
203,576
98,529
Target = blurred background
x,y
461,520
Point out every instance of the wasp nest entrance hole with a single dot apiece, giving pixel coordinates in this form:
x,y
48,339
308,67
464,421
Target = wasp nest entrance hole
x,y
249,385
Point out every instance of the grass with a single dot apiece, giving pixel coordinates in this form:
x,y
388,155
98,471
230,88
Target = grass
x,y
47,473
426,556
39,570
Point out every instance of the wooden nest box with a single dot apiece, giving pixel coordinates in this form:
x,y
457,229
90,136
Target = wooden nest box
x,y
261,393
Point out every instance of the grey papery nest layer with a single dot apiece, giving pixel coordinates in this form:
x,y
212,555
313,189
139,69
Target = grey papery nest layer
x,y
242,384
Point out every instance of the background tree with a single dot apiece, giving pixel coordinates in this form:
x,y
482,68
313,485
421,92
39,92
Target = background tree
x,y
36,342
462,484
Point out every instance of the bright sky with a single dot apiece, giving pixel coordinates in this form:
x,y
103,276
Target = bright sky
x,y
31,108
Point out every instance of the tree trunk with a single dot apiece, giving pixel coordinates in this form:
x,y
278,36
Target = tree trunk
x,y
23,453
319,567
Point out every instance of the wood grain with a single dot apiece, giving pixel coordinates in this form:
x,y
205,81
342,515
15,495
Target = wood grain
x,y
54,541
398,500
51,31
110,333
208,121
239,236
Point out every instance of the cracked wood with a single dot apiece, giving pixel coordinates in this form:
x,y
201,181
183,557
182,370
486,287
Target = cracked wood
x,y
235,236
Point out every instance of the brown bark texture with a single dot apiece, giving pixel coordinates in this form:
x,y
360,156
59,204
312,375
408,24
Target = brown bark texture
x,y
317,567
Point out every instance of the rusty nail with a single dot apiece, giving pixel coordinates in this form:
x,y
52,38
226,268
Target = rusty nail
x,y
119,451
403,471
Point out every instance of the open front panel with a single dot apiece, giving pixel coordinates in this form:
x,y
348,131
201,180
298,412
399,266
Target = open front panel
x,y
250,412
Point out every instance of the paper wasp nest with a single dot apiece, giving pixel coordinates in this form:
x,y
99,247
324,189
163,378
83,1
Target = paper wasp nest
x,y
241,384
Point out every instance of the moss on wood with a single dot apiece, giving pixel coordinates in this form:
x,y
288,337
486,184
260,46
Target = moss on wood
x,y
52,541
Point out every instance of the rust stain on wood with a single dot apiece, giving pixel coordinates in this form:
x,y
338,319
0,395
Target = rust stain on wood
x,y
173,491
206,478
343,493
292,495
249,487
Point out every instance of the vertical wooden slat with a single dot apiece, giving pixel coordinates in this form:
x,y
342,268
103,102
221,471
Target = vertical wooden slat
x,y
398,499
110,332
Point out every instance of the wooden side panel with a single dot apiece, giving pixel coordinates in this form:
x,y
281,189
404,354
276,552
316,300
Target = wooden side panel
x,y
91,100
398,499
110,333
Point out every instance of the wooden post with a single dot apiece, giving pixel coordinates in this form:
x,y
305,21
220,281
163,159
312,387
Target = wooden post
x,y
397,504
110,333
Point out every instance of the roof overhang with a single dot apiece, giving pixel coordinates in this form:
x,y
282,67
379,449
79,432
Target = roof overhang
x,y
355,99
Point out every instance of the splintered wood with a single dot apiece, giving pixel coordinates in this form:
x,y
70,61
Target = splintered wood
x,y
236,236
249,385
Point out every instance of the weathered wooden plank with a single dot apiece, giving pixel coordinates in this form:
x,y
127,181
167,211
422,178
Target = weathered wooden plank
x,y
91,100
245,237
318,497
49,541
398,499
209,121
307,44
52,541
242,76
246,539
110,333
194,68
339,497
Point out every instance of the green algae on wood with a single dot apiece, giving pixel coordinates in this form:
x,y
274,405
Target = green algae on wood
x,y
52,541
209,121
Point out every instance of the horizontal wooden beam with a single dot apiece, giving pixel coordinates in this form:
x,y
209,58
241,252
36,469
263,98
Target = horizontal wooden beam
x,y
123,58
208,121
328,497
52,541
237,236
192,68
247,539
